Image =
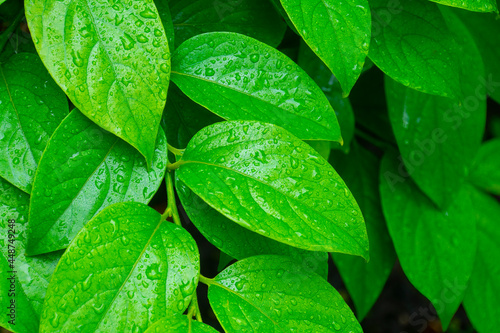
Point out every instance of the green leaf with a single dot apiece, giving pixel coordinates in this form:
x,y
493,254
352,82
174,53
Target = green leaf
x,y
112,61
166,19
178,323
481,298
438,137
238,77
365,281
427,240
125,270
485,172
412,44
31,274
254,18
266,180
83,170
273,294
31,107
338,32
485,28
239,242
183,118
324,78
472,5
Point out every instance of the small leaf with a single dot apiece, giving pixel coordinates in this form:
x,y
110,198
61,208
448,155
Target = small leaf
x,y
365,280
412,44
481,298
178,323
112,60
472,5
338,32
83,170
238,77
272,294
485,172
427,240
239,242
270,182
31,107
254,18
124,270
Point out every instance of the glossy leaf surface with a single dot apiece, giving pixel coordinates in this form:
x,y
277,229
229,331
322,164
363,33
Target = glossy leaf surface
x,y
265,179
337,31
427,239
31,107
239,242
83,170
31,275
125,270
112,60
238,77
273,294
481,301
363,280
485,172
472,5
412,44
179,324
253,18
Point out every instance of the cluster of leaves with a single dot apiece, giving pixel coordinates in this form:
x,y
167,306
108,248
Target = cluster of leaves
x,y
256,136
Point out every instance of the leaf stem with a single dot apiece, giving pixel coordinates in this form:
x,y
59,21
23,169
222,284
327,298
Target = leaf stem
x,y
171,210
175,151
194,309
176,165
206,280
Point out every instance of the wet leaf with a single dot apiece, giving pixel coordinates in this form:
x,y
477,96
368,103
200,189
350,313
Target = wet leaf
x,y
254,18
125,270
268,181
31,107
338,32
472,5
116,62
273,294
238,77
83,170
485,172
412,44
178,323
427,239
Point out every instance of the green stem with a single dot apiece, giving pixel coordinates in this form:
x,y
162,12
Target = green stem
x,y
176,165
171,204
175,151
206,280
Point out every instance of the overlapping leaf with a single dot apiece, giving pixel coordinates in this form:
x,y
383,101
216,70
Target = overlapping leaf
x,y
427,240
31,107
481,301
337,31
272,294
253,18
472,5
412,44
112,60
485,172
166,19
239,242
29,275
265,179
363,280
125,270
83,170
238,77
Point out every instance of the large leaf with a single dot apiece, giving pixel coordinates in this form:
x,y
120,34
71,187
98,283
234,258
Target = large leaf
x,y
481,298
485,172
238,77
412,44
178,323
337,31
31,107
254,18
427,240
365,280
265,179
239,242
30,275
125,270
83,170
112,60
472,5
438,137
273,294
